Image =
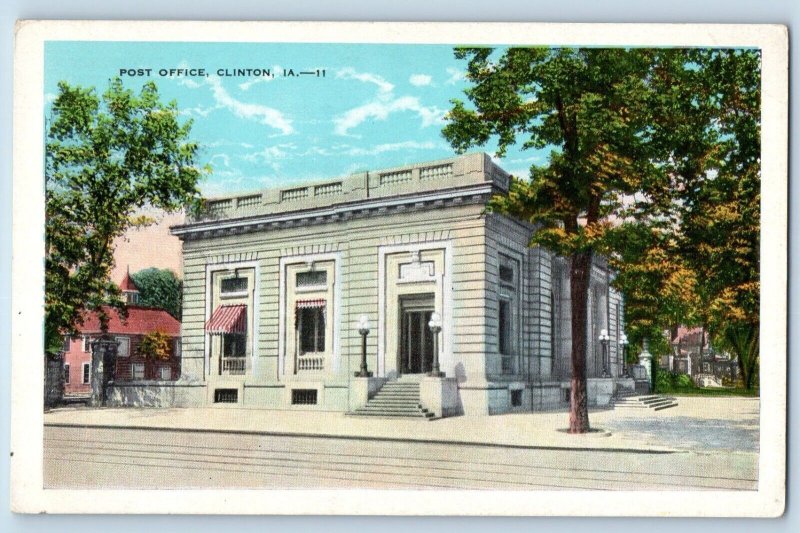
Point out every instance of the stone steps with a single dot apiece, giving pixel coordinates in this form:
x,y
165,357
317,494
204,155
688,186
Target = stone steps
x,y
652,401
397,399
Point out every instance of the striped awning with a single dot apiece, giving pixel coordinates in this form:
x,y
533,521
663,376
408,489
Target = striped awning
x,y
228,319
309,304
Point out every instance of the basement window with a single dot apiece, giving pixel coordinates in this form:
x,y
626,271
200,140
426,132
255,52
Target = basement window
x,y
304,396
226,395
516,398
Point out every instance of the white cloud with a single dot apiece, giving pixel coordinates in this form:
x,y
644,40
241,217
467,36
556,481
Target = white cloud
x,y
391,147
226,161
384,104
350,73
420,80
260,113
381,108
455,76
49,98
270,153
199,111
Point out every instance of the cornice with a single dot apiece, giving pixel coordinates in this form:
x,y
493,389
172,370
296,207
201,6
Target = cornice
x,y
345,211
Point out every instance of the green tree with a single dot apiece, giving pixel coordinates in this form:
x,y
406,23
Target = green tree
x,y
159,288
705,137
106,157
654,162
590,106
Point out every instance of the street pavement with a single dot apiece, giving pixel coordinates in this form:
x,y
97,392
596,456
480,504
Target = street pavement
x,y
703,444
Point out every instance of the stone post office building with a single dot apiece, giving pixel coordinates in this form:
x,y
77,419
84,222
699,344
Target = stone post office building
x,y
275,284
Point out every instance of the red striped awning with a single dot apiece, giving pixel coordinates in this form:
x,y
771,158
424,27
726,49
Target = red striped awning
x,y
228,319
310,304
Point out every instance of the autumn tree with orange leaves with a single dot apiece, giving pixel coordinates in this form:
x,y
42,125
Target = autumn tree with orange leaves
x,y
643,143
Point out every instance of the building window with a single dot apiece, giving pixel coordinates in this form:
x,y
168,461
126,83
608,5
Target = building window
x,y
165,373
234,353
507,329
554,330
66,374
304,396
226,395
138,370
124,346
235,286
230,323
87,343
65,346
308,327
86,373
311,329
176,349
506,274
516,398
312,278
504,320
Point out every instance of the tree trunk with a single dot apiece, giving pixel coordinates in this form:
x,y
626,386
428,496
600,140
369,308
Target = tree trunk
x,y
580,270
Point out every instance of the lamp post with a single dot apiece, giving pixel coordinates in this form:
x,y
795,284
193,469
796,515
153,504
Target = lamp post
x,y
623,346
363,329
604,339
436,326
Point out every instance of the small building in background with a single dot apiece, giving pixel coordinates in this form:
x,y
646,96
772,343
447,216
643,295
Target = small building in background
x,y
131,368
693,354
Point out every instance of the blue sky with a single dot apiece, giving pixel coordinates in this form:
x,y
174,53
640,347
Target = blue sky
x,y
376,106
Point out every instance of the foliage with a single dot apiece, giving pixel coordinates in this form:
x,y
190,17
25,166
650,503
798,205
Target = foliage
x,y
155,345
672,381
653,162
704,217
159,288
590,107
106,157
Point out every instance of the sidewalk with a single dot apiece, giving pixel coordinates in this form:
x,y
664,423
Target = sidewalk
x,y
530,430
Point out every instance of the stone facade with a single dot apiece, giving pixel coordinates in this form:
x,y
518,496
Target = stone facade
x,y
275,284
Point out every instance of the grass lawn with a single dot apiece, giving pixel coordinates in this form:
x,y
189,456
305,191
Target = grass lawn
x,y
710,391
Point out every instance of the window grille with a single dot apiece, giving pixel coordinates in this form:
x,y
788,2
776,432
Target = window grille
x,y
233,285
226,395
304,396
312,278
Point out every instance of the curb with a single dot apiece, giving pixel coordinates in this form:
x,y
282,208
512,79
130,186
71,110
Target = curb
x,y
267,433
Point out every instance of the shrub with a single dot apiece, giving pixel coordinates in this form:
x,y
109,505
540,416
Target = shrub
x,y
155,345
682,381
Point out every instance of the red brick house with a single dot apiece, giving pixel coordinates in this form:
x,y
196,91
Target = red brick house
x,y
128,332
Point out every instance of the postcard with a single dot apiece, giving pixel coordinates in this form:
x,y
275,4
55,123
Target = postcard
x,y
399,268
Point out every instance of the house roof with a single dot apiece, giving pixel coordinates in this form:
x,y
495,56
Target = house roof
x,y
128,284
689,335
140,321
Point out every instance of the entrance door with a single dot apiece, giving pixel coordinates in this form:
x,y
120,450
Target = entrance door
x,y
416,339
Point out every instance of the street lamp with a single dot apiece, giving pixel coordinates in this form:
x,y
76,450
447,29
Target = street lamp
x,y
623,346
363,328
436,326
604,339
